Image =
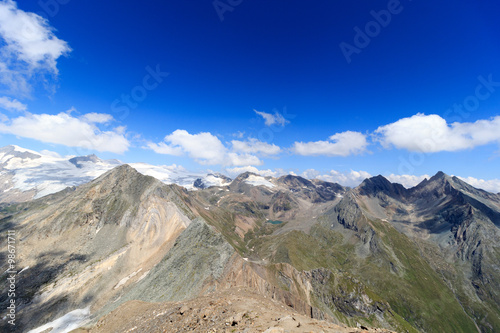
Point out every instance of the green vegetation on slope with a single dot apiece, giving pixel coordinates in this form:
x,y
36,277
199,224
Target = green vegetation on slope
x,y
394,272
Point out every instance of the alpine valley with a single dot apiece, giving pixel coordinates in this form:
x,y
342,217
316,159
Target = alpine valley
x,y
103,246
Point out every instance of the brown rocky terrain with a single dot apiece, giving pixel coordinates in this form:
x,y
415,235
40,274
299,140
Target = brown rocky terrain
x,y
232,310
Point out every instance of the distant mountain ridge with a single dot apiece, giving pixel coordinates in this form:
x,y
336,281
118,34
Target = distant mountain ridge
x,y
27,175
424,259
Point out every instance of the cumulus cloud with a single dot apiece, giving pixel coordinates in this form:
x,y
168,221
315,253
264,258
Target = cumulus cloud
x,y
203,147
165,149
66,130
492,185
271,119
352,178
207,149
311,174
407,181
12,104
29,47
431,133
97,118
242,159
340,144
239,134
254,146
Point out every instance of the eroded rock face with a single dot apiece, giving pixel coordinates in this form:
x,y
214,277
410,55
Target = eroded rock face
x,y
198,257
82,248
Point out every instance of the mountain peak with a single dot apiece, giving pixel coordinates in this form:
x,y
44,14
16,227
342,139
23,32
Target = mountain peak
x,y
123,170
379,181
16,151
439,175
241,177
374,185
212,179
295,181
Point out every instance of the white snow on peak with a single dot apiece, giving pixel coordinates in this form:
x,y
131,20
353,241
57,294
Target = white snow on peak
x,y
169,174
214,180
258,180
45,173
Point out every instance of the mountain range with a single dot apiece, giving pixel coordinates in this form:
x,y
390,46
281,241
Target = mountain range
x,y
127,252
26,174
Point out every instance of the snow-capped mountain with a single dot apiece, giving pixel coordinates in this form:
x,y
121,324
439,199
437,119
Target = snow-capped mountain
x,y
212,179
26,174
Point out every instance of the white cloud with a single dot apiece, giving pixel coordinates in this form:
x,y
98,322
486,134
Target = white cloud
x,y
207,149
122,129
407,181
310,174
492,185
352,178
165,149
28,47
431,133
97,118
66,130
12,104
271,119
242,159
239,134
254,146
340,144
203,147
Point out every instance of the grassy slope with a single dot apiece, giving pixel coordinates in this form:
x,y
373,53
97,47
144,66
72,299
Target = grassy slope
x,y
416,294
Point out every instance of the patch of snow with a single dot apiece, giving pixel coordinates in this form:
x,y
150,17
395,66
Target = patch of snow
x,y
70,321
259,181
142,276
125,279
169,174
213,180
22,270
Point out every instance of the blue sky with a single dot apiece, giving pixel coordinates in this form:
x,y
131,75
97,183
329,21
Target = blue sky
x,y
319,88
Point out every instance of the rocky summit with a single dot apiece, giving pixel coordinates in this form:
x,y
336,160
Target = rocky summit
x,y
126,252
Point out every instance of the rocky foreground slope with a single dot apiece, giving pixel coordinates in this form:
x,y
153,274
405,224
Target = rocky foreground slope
x,y
379,256
232,310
